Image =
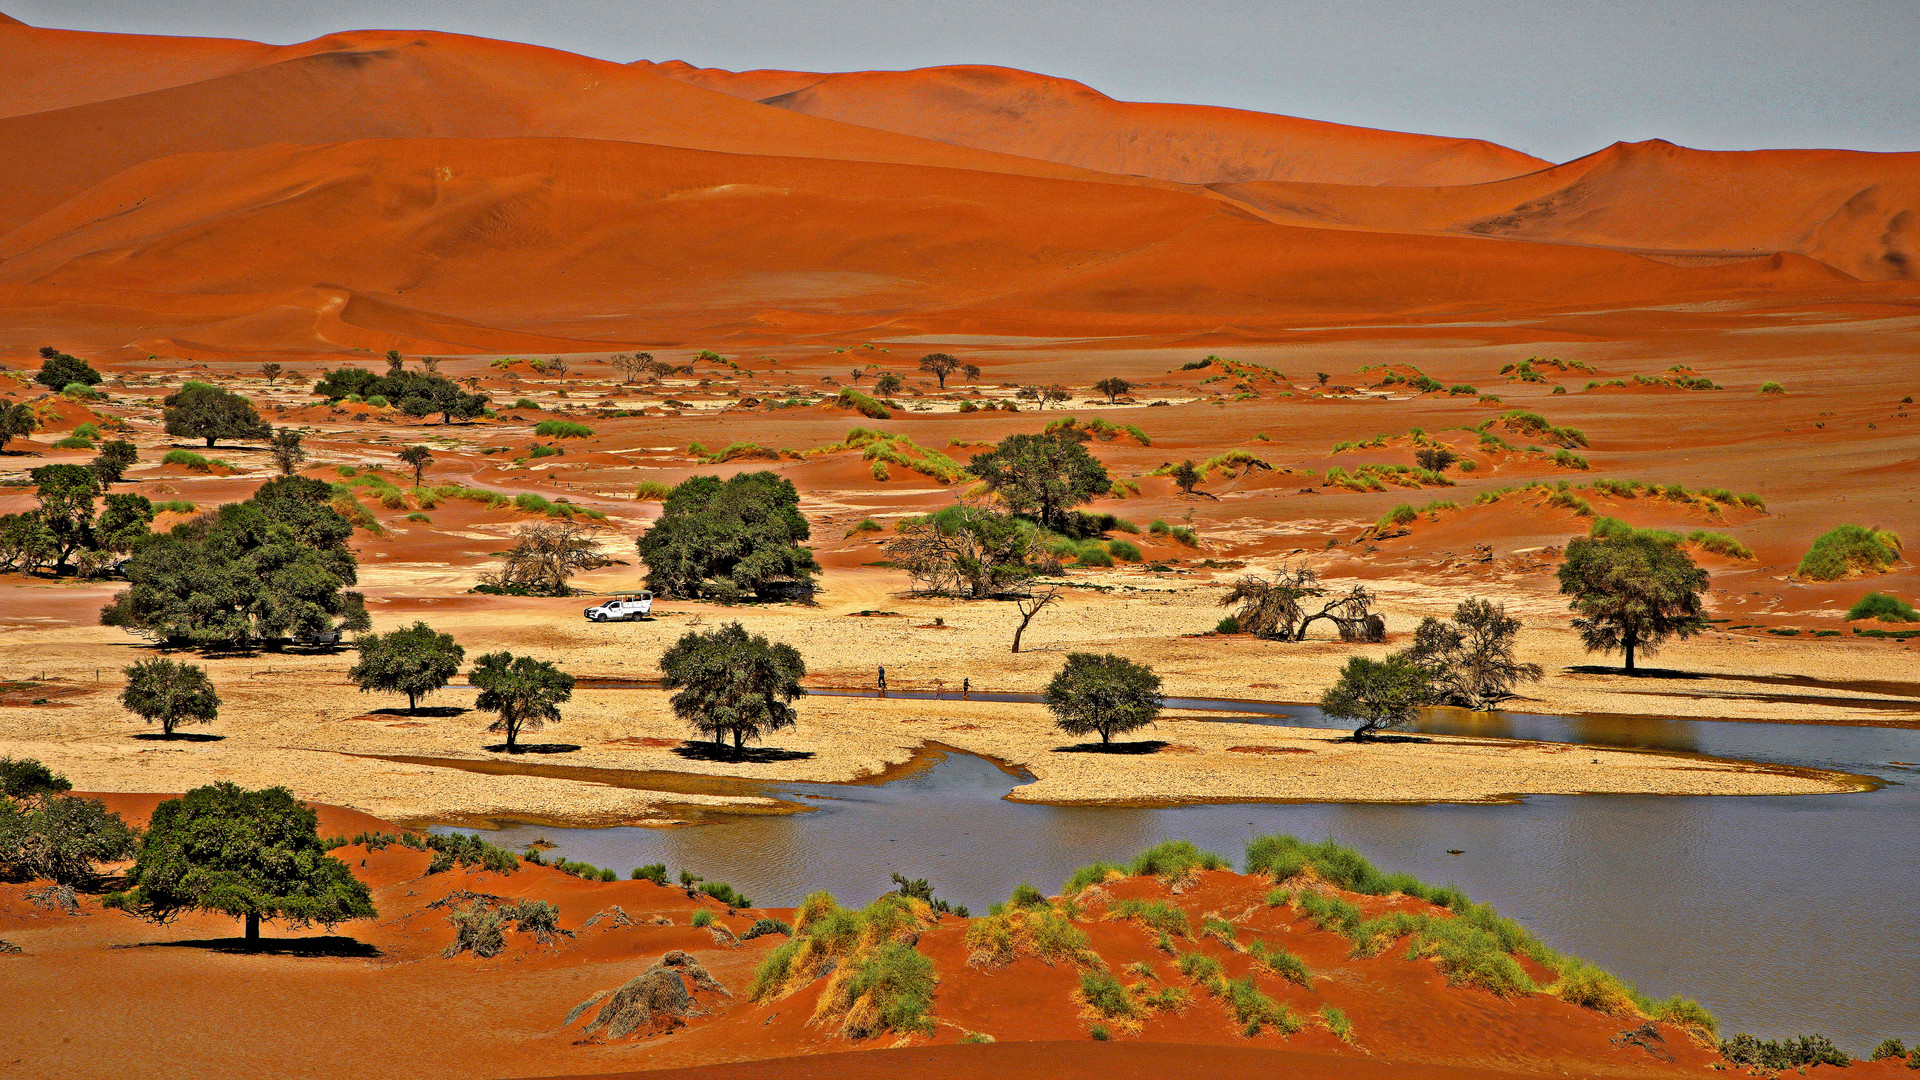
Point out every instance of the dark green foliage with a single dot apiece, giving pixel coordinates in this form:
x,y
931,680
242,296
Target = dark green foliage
x,y
27,778
1282,856
1185,476
1026,896
1092,874
251,854
733,683
275,565
1435,458
724,893
523,693
1849,549
1042,476
468,850
1256,1011
202,411
1102,693
922,890
763,926
1889,1048
901,982
1883,606
26,544
416,393
171,692
1378,693
68,495
1632,592
562,429
51,835
654,872
1281,963
1113,386
1099,1033
287,452
1156,915
725,540
413,660
16,418
59,370
417,458
110,464
478,929
939,365
1779,1054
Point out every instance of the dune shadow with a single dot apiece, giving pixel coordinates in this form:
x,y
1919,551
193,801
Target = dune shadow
x,y
178,736
330,945
758,755
437,711
1144,746
1641,673
533,748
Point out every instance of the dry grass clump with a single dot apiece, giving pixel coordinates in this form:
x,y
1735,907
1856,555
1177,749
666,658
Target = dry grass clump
x,y
849,398
652,491
877,982
883,449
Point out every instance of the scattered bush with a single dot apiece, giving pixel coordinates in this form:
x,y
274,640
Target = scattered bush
x,y
1889,1048
1337,1023
703,917
849,398
526,403
652,491
1849,549
1719,544
1771,387
1104,995
1780,1054
1156,915
1227,625
562,429
763,926
187,458
654,872
1175,860
478,929
1281,963
1399,515
1883,606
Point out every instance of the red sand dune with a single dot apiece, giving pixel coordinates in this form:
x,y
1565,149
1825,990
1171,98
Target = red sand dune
x,y
1038,116
1857,212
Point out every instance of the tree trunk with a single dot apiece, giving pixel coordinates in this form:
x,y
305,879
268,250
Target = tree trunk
x,y
253,929
1106,737
739,738
210,439
1632,639
513,729
413,701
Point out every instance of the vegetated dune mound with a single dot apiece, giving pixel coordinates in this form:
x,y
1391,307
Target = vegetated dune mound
x,y
1054,119
1857,212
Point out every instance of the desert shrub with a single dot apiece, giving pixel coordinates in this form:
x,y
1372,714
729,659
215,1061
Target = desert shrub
x,y
27,778
1683,1012
1204,970
1849,549
1172,860
1883,606
1222,930
1337,1023
1256,1011
187,458
1719,544
899,983
763,926
703,917
849,398
1889,1048
1156,915
57,836
1229,624
536,917
526,403
477,929
724,893
1771,387
1779,1054
540,450
1124,550
531,503
654,872
377,401
1330,913
1399,515
1104,995
652,491
1092,874
1469,954
74,442
1281,962
562,429
1567,459
1026,896
1099,1033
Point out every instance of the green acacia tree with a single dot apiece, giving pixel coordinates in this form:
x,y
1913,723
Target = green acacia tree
x,y
523,693
170,692
1632,591
202,411
1102,693
16,418
1113,386
417,458
733,683
939,365
254,855
1042,476
1378,693
724,540
413,660
68,496
59,370
113,460
288,454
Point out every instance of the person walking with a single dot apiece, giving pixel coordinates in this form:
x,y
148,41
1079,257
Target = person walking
x,y
966,687
883,678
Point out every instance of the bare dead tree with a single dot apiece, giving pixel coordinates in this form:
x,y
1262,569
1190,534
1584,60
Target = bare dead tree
x,y
544,556
1029,607
431,363
1277,608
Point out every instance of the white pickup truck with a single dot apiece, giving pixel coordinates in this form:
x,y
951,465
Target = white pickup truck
x,y
622,608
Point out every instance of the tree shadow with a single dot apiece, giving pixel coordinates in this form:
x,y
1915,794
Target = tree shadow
x,y
436,711
1144,746
178,736
533,748
1641,673
1380,737
330,945
757,755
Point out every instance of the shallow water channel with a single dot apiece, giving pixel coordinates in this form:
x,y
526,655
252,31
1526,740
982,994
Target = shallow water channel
x,y
1780,913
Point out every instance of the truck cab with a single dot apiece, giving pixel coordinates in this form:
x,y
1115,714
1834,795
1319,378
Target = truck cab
x,y
622,608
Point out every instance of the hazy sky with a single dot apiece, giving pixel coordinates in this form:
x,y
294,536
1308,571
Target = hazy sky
x,y
1556,78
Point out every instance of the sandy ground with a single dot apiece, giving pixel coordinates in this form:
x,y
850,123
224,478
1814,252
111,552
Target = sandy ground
x,y
295,720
